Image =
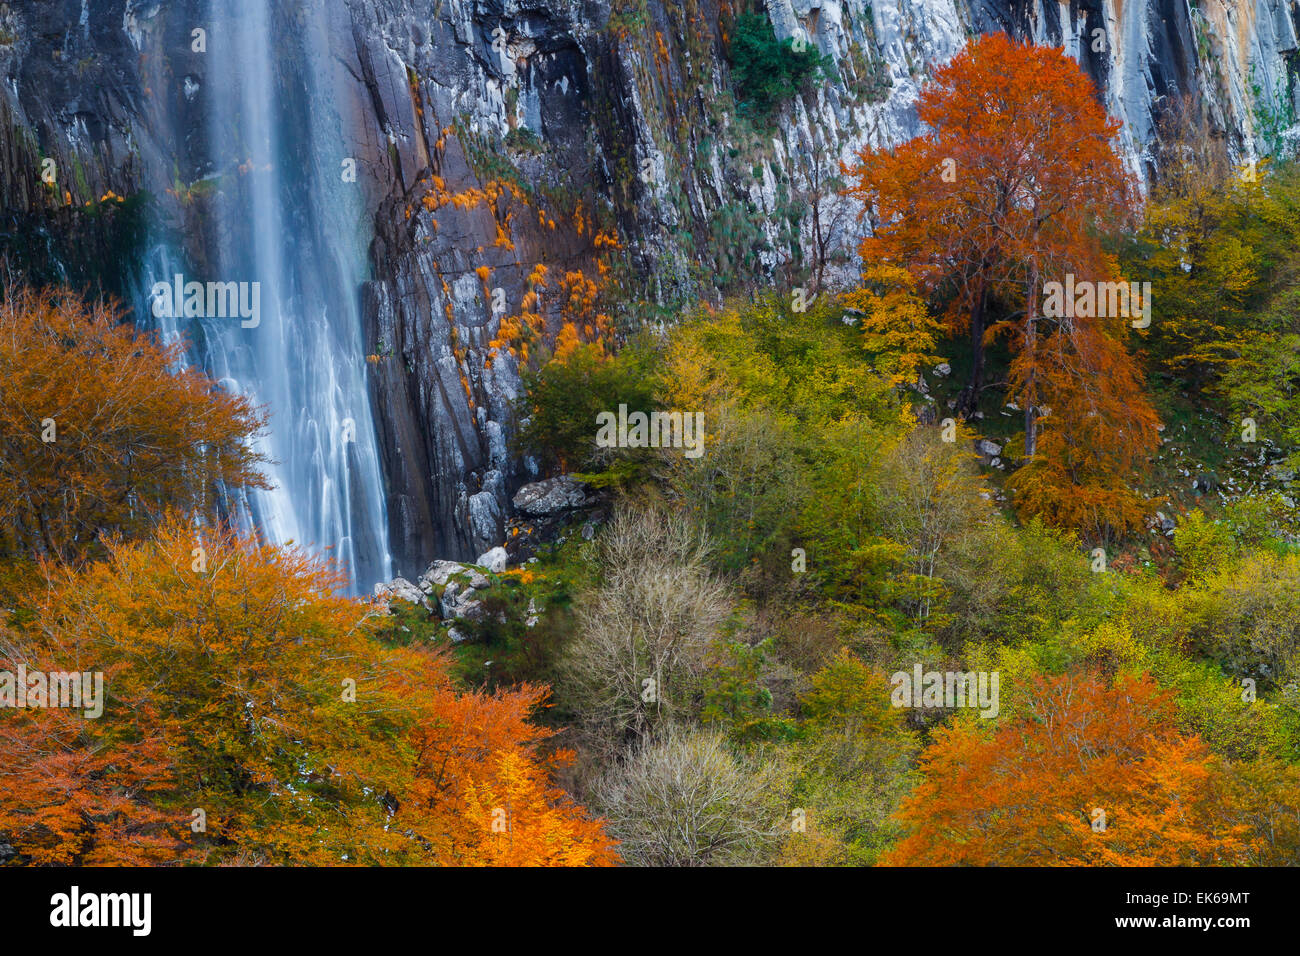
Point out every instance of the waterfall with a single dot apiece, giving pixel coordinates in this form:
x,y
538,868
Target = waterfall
x,y
279,218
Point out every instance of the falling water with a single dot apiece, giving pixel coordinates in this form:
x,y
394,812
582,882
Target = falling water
x,y
282,215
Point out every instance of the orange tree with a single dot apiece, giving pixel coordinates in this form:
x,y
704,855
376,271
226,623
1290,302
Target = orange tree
x,y
98,431
1093,774
1014,185
252,714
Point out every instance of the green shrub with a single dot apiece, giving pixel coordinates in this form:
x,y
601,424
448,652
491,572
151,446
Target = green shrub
x,y
1204,546
769,71
565,395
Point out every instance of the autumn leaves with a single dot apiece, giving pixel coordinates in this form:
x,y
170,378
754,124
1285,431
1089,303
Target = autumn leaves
x,y
256,715
1094,772
1016,186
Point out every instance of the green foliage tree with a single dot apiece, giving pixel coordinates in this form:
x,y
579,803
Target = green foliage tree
x,y
564,396
769,72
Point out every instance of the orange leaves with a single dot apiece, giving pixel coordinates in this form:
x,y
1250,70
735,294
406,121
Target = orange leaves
x,y
438,196
606,240
97,434
566,342
1093,774
579,291
1097,430
1015,184
1016,173
529,823
579,299
503,239
481,795
63,803
254,690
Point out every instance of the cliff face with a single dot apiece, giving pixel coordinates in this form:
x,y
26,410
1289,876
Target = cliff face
x,y
488,138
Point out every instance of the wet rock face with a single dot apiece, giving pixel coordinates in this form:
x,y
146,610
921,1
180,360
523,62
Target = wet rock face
x,y
1146,54
526,123
71,103
435,74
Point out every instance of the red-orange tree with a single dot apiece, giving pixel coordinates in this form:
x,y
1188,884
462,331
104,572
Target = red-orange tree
x,y
1095,773
1013,185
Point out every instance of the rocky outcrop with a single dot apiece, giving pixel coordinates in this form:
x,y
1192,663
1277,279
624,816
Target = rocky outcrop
x,y
448,590
545,499
549,512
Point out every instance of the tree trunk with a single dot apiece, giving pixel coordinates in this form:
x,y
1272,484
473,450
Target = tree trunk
x,y
1031,339
970,398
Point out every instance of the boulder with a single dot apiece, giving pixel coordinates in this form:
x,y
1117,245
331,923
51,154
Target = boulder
x,y
441,572
400,590
485,517
494,560
542,499
458,603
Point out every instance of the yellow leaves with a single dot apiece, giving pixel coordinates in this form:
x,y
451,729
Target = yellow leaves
x,y
694,362
104,387
1112,647
1231,267
895,322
